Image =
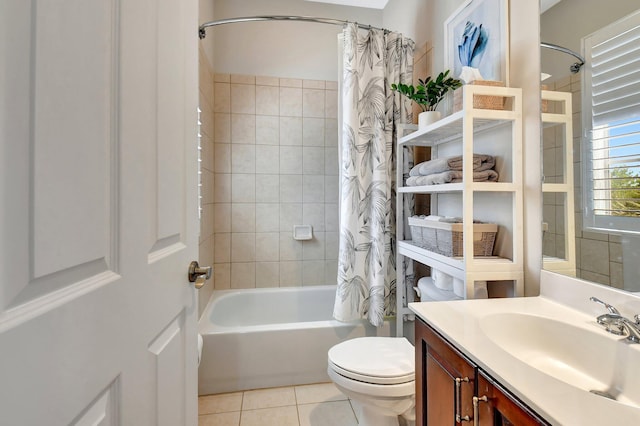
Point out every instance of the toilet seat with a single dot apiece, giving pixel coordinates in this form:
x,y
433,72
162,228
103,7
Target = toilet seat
x,y
374,360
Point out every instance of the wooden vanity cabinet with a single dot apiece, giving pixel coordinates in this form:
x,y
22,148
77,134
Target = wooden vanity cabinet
x,y
448,385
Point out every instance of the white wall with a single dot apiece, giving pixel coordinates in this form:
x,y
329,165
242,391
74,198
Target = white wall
x,y
570,20
285,49
205,14
409,17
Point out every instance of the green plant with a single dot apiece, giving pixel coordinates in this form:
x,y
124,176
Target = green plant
x,y
428,93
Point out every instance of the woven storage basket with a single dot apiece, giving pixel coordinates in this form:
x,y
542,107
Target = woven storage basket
x,y
481,101
446,238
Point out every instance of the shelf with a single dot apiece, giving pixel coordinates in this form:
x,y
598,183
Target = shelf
x,y
459,187
450,127
455,266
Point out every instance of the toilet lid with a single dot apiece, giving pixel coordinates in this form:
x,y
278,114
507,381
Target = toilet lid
x,y
380,360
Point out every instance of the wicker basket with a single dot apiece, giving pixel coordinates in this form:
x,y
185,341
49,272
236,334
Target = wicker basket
x,y
446,238
481,101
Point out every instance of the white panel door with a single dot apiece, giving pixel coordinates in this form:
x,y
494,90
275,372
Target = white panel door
x,y
98,212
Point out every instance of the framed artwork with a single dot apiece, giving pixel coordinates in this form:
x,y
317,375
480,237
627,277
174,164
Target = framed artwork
x,y
477,36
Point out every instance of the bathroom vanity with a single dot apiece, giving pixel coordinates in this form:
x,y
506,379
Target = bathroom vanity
x,y
527,361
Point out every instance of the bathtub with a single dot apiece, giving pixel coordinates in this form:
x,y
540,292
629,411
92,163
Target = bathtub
x,y
262,338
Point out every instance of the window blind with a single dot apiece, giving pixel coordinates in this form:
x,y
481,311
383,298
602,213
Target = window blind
x,y
611,117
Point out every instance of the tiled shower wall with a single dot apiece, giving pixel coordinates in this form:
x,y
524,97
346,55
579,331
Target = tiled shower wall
x,y
276,165
598,255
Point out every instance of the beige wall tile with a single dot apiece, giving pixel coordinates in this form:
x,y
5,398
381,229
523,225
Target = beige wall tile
x,y
290,160
243,99
313,103
331,272
243,248
290,131
291,189
290,82
331,245
313,84
222,249
207,186
222,128
313,159
267,217
222,276
312,272
222,188
267,100
267,130
267,247
331,104
268,188
243,217
290,214
222,158
331,85
243,79
243,128
313,214
331,217
243,188
267,274
222,217
267,81
291,274
314,249
313,131
222,97
290,249
267,159
290,102
221,78
243,275
331,132
243,158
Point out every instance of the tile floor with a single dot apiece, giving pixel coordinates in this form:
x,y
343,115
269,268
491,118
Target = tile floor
x,y
308,405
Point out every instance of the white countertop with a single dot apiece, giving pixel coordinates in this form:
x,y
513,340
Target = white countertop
x,y
558,402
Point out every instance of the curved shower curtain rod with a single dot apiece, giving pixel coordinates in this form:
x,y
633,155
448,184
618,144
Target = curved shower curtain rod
x,y
202,29
575,67
203,33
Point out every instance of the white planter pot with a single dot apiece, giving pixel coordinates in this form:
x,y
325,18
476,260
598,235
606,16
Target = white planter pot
x,y
427,117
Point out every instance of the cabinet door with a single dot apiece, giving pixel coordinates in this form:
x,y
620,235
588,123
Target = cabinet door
x,y
495,407
444,381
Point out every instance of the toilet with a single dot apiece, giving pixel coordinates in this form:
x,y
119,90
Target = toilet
x,y
378,375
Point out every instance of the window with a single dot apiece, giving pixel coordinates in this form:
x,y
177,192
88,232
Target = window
x,y
611,120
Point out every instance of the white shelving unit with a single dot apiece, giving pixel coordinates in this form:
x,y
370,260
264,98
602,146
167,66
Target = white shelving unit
x,y
458,133
560,102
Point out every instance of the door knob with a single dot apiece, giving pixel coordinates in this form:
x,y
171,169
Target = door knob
x,y
198,275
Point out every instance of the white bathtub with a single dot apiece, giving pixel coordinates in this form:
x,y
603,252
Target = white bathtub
x,y
271,337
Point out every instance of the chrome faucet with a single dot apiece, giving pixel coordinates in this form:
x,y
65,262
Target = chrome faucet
x,y
616,324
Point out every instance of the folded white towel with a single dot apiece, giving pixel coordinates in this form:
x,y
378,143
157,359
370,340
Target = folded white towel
x,y
480,162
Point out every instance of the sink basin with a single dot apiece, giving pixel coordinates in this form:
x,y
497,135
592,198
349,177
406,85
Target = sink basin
x,y
581,355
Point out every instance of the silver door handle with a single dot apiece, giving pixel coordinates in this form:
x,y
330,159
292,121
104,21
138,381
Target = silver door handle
x,y
476,413
198,275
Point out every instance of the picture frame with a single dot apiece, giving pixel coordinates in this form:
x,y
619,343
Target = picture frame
x,y
487,17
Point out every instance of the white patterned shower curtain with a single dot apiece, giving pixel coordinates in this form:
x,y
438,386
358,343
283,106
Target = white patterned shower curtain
x,y
372,60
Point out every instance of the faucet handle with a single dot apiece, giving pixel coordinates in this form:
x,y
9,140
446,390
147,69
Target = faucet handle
x,y
609,307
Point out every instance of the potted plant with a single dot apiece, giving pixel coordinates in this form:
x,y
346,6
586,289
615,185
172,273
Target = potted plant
x,y
428,94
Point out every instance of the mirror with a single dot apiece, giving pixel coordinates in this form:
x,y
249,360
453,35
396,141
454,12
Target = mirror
x,y
610,258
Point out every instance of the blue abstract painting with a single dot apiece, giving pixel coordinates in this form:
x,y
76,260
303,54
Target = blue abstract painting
x,y
477,37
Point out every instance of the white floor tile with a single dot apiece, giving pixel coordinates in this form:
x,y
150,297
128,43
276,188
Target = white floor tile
x,y
277,416
220,419
327,414
320,392
266,398
221,403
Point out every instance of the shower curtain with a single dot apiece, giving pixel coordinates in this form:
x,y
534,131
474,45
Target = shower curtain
x,y
372,60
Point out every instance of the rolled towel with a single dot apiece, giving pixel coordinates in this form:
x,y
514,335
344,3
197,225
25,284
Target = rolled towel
x,y
412,181
430,167
481,162
483,176
430,293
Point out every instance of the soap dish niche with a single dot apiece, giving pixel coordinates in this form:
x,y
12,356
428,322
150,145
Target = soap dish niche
x,y
302,232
